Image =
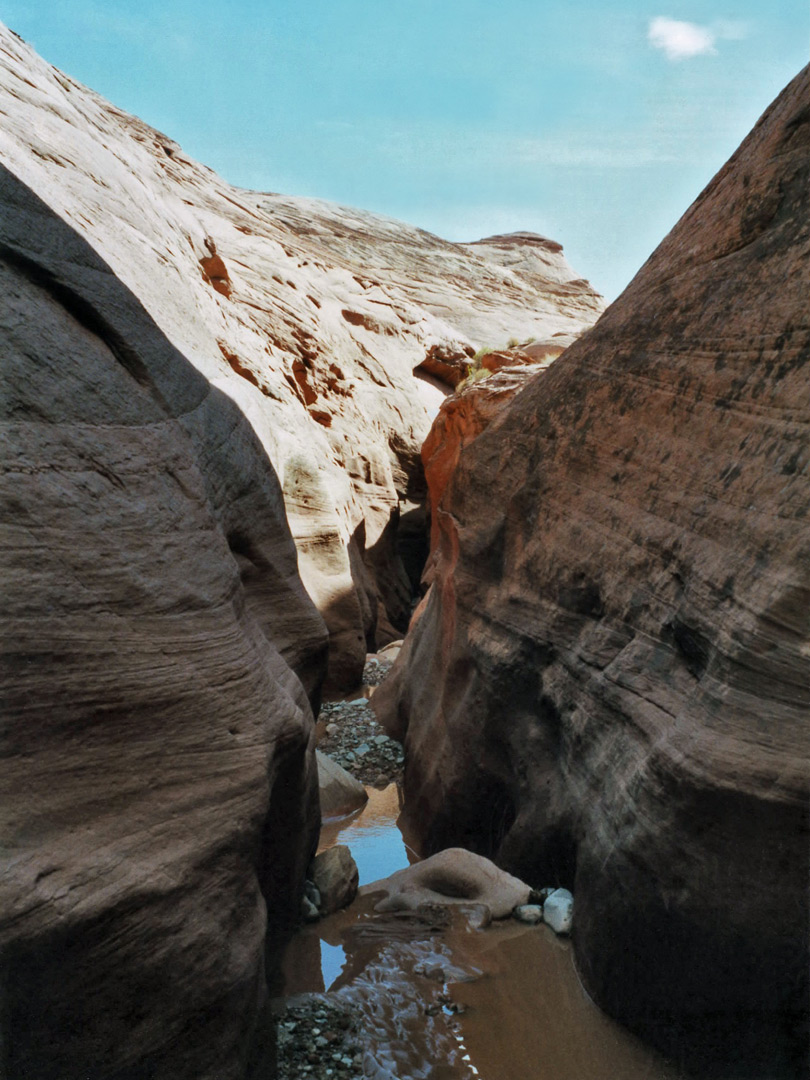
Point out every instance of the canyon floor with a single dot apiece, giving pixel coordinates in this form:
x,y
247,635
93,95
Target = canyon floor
x,y
365,995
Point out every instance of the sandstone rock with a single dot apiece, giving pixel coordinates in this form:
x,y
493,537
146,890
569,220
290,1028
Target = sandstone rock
x,y
447,364
335,875
609,685
534,353
558,911
461,419
456,913
316,319
159,801
340,792
454,876
391,649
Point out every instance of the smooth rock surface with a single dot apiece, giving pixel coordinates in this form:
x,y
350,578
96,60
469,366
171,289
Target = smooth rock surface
x,y
558,911
528,913
454,876
316,319
159,796
340,791
609,684
334,873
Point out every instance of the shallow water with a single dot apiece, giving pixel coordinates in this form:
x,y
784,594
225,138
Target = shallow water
x,y
499,1004
376,842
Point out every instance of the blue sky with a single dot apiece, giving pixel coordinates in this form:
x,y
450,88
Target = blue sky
x,y
596,124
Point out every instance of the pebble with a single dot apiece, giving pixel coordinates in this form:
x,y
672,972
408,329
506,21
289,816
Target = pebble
x,y
350,725
304,1046
558,911
528,913
309,911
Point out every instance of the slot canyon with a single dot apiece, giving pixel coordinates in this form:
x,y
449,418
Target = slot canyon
x,y
280,474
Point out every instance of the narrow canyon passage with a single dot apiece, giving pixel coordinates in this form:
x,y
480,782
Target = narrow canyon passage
x,y
455,1003
221,408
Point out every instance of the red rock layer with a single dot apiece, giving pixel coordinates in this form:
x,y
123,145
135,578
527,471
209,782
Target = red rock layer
x,y
312,317
159,795
609,686
460,421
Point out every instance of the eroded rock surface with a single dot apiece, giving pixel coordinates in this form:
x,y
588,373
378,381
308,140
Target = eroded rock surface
x,y
453,876
461,419
609,686
323,323
340,791
159,797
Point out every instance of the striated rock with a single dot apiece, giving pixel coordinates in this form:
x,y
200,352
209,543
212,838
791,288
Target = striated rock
x,y
340,791
541,353
453,876
321,322
459,422
609,685
159,798
335,876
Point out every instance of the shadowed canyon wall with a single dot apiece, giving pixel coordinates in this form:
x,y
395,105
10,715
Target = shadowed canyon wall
x,y
325,324
608,686
159,797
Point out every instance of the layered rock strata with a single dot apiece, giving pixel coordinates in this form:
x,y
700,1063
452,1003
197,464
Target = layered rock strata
x,y
159,796
460,420
324,324
609,686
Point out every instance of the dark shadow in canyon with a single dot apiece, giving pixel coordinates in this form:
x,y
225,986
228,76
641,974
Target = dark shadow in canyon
x,y
64,1013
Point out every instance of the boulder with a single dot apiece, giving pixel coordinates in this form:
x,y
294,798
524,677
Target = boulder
x,y
340,791
159,802
316,319
609,684
334,874
454,876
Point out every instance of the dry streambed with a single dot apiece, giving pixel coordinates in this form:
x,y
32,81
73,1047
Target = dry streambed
x,y
351,736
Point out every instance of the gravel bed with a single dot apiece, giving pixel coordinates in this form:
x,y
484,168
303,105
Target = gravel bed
x,y
318,1039
355,740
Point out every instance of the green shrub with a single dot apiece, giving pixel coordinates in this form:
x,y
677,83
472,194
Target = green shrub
x,y
474,375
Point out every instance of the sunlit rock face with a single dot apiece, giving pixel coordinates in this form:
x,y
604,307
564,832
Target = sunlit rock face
x,y
316,319
609,685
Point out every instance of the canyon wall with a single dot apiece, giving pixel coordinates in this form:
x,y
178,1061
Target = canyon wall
x,y
608,686
159,797
336,331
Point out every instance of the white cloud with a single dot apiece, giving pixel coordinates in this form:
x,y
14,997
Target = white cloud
x,y
680,40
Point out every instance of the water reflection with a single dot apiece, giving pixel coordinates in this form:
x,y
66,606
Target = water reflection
x,y
373,835
498,1004
333,960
